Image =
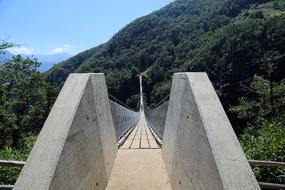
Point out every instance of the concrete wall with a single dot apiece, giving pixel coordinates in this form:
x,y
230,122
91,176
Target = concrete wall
x,y
156,118
200,148
123,119
77,145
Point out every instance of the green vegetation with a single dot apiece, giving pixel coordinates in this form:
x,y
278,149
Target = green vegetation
x,y
25,101
9,175
225,38
264,104
263,111
266,143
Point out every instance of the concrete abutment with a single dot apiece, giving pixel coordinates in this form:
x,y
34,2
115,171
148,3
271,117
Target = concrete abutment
x,y
200,148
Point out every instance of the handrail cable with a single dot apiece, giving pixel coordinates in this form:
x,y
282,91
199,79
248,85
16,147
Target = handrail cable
x,y
162,101
120,102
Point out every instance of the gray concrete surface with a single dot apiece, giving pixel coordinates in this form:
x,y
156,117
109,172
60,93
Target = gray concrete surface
x,y
123,119
77,145
156,118
200,148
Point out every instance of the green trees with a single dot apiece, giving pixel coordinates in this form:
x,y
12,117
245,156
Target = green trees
x,y
237,52
23,100
266,143
227,39
10,175
263,112
264,104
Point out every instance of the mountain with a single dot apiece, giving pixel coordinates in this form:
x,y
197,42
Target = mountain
x,y
48,61
231,40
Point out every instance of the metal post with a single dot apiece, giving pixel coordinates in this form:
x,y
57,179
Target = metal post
x,y
141,94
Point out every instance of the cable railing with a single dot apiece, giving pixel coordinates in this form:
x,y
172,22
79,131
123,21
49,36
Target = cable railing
x,y
123,118
113,98
10,163
265,164
156,116
160,102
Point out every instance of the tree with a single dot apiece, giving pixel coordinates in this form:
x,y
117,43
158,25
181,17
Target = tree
x,y
22,100
266,143
269,63
258,108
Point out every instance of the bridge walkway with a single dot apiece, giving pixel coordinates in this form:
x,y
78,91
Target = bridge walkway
x,y
141,137
139,163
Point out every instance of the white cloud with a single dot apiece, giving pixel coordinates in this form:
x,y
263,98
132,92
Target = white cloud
x,y
21,50
64,48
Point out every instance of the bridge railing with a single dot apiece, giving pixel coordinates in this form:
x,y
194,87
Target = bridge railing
x,y
124,119
156,119
10,163
114,99
266,164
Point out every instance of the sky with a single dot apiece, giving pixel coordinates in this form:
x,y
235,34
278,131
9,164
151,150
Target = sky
x,y
71,26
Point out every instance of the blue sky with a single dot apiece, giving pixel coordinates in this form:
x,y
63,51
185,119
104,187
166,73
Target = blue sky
x,y
72,26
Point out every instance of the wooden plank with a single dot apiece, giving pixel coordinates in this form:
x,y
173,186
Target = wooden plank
x,y
12,163
126,136
136,143
263,163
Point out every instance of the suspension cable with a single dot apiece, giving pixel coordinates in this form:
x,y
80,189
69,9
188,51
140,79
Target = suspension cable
x,y
111,97
162,101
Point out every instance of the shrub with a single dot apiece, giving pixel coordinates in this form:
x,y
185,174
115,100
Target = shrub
x,y
266,143
9,175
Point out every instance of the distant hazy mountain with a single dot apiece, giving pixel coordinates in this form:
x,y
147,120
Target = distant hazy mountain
x,y
47,60
4,56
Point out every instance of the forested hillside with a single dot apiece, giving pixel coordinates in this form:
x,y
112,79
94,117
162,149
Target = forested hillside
x,y
231,40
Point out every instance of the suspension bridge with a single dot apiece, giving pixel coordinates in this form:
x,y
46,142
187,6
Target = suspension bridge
x,y
92,142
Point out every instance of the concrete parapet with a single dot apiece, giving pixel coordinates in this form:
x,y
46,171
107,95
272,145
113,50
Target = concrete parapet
x,y
156,119
123,119
200,148
77,145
